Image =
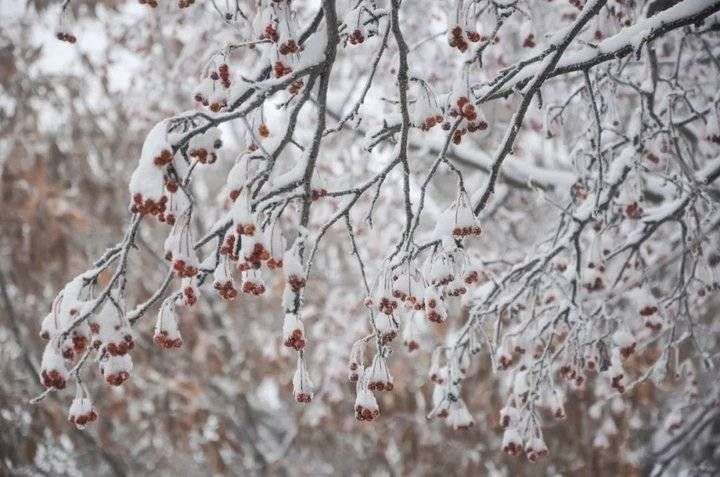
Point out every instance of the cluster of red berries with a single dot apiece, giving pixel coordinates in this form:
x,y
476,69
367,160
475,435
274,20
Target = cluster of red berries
x,y
353,376
303,398
84,419
203,155
648,310
149,3
289,47
281,69
182,268
69,37
215,106
122,347
317,194
296,340
53,379
387,305
245,229
148,206
228,248
475,37
222,74
633,211
465,231
252,261
364,414
270,33
512,448
250,287
296,86
161,339
165,158
466,109
533,455
296,283
356,37
410,300
257,255
380,386
185,3
472,277
226,290
430,122
457,40
571,374
431,311
529,41
594,285
190,296
116,379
